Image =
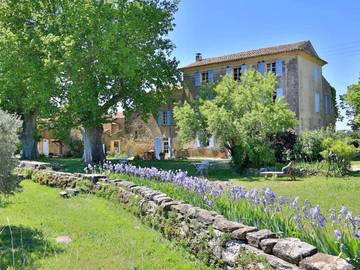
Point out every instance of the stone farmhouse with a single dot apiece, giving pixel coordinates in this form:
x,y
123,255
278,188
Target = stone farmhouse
x,y
298,69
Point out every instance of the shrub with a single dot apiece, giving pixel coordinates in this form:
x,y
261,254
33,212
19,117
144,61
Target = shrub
x,y
338,154
283,144
9,127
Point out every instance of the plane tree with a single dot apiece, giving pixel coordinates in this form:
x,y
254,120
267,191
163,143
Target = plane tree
x,y
115,55
28,65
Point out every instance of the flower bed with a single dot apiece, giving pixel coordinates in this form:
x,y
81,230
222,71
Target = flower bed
x,y
336,232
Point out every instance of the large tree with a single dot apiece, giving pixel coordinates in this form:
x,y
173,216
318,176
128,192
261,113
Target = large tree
x,y
241,115
28,70
116,54
350,103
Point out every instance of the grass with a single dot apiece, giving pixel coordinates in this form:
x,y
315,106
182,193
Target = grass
x,y
105,236
332,192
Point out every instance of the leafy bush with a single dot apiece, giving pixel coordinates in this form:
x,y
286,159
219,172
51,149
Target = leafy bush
x,y
283,144
9,127
338,154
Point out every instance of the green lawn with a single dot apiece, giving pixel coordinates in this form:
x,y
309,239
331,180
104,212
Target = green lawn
x,y
105,236
327,192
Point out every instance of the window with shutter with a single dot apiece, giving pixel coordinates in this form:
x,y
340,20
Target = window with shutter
x,y
168,117
326,104
261,67
228,70
279,67
279,92
317,102
210,76
197,79
159,118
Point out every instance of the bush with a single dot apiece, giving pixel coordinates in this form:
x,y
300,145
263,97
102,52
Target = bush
x,y
9,127
338,155
283,144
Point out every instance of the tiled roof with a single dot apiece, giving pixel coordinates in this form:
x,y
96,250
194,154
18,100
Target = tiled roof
x,y
305,46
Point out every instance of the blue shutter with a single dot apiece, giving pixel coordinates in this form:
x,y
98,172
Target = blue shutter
x,y
211,141
316,73
211,76
243,68
326,104
168,117
157,147
170,146
197,79
279,92
197,142
317,102
228,70
261,67
278,67
159,118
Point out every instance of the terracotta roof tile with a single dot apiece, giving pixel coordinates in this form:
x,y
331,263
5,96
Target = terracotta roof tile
x,y
305,46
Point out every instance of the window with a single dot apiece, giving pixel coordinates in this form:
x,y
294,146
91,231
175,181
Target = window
x,y
205,77
166,146
279,92
163,118
271,67
237,74
328,104
317,101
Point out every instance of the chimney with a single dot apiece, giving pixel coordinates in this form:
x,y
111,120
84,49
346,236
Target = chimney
x,y
198,57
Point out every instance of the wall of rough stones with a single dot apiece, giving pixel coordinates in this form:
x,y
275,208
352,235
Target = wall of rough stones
x,y
209,235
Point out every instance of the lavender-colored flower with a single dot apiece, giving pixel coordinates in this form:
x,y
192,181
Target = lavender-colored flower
x,y
357,234
315,212
337,234
282,200
295,202
332,214
321,221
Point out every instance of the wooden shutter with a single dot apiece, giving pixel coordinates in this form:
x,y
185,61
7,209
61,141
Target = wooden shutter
x,y
211,141
278,67
279,92
197,79
159,118
261,67
317,102
243,68
326,104
228,70
157,147
211,76
168,117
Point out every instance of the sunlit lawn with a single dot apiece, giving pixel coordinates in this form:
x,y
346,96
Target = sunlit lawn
x,y
105,236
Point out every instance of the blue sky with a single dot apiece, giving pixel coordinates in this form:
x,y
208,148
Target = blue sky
x,y
218,27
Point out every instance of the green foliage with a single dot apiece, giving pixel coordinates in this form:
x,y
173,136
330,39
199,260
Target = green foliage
x,y
115,53
338,155
241,115
85,185
249,260
351,104
9,127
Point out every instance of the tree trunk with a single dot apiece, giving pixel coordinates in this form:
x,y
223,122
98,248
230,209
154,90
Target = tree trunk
x,y
93,146
28,137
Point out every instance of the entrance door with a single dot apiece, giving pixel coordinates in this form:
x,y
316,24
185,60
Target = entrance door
x,y
46,147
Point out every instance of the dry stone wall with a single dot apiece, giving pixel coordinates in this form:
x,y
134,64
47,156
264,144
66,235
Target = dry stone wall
x,y
209,235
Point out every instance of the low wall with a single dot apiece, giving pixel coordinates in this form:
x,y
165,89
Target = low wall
x,y
210,236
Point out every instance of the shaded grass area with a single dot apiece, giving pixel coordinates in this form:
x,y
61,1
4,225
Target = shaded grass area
x,y
105,236
331,192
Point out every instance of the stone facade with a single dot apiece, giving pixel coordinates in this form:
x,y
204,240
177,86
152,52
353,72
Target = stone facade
x,y
209,236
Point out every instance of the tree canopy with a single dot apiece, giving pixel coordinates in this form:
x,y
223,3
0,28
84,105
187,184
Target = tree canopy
x,y
241,115
351,104
28,68
114,54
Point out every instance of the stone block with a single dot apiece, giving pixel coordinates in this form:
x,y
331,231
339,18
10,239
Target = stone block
x,y
268,244
225,225
321,261
293,250
240,234
205,216
254,238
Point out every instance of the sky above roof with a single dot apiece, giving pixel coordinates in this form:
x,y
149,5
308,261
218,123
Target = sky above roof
x,y
216,28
